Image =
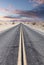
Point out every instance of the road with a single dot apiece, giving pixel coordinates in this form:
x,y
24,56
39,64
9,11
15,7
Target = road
x,y
9,43
34,45
31,40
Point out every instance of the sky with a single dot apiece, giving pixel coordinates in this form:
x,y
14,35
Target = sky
x,y
11,9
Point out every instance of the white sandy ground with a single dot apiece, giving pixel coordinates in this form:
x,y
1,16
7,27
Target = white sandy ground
x,y
39,28
6,25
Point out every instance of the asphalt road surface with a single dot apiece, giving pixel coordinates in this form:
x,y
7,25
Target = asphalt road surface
x,y
9,44
34,45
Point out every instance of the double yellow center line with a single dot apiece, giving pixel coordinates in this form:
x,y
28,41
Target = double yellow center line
x,y
21,54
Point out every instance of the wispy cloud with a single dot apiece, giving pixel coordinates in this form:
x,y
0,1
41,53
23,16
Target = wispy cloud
x,y
8,9
32,13
18,12
11,7
4,10
24,13
37,1
8,17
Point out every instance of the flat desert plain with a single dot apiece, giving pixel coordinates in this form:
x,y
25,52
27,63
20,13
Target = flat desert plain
x,y
6,25
36,25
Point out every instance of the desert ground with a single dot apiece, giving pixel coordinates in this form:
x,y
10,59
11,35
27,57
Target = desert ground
x,y
36,25
6,25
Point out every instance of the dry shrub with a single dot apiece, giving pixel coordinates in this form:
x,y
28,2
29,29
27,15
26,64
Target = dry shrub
x,y
34,23
13,22
0,24
43,25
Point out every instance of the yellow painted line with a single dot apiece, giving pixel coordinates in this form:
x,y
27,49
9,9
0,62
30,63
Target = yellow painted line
x,y
24,52
19,53
21,47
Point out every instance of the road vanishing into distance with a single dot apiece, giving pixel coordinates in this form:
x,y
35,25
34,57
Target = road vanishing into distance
x,y
21,45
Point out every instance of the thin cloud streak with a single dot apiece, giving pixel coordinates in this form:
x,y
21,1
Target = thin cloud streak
x,y
37,1
4,10
25,13
21,13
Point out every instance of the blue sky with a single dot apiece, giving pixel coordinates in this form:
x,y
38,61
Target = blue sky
x,y
14,5
18,7
17,4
